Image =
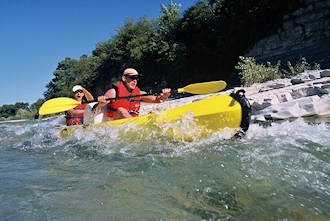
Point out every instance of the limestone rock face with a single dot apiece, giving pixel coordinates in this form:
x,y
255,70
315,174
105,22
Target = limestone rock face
x,y
304,33
306,94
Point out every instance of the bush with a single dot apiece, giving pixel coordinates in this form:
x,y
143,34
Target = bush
x,y
24,114
251,72
300,67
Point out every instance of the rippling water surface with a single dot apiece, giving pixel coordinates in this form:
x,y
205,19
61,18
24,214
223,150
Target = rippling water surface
x,y
278,171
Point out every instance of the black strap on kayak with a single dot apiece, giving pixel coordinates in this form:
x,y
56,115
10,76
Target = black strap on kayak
x,y
239,96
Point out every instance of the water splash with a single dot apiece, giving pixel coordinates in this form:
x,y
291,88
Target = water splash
x,y
278,170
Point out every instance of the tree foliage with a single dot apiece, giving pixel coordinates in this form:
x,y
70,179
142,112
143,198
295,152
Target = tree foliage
x,y
201,44
20,110
34,108
9,110
60,85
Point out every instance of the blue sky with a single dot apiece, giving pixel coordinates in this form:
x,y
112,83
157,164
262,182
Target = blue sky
x,y
37,34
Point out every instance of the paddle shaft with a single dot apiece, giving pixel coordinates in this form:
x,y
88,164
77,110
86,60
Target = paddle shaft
x,y
60,104
125,97
174,91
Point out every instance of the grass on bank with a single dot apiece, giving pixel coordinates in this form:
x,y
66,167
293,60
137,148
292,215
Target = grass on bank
x,y
252,73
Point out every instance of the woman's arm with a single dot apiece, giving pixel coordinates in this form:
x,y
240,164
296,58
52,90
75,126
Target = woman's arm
x,y
75,112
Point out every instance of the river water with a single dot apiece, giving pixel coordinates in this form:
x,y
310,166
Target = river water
x,y
277,171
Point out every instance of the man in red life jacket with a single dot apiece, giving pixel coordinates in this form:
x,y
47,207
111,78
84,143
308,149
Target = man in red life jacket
x,y
127,86
76,115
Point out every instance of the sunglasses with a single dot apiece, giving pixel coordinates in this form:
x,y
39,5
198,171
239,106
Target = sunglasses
x,y
78,91
134,77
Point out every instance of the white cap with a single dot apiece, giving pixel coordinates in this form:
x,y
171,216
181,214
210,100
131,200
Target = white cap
x,y
130,71
77,87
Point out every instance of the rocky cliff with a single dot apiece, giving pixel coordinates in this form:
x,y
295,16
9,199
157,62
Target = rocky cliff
x,y
304,33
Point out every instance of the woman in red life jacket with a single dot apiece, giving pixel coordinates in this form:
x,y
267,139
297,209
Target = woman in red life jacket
x,y
127,86
76,115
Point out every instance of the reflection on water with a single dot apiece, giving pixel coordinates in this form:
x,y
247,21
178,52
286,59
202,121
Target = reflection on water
x,y
278,171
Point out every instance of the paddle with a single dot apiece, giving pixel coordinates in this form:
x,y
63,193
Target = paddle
x,y
88,95
61,104
202,88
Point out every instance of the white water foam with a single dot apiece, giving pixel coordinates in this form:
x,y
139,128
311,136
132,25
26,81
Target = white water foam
x,y
290,131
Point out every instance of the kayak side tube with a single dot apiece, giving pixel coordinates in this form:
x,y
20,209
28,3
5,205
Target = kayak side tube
x,y
239,96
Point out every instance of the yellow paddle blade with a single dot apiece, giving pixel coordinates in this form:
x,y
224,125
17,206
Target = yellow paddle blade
x,y
204,88
56,105
88,95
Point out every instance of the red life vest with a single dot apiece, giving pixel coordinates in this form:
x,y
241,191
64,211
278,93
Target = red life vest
x,y
132,105
72,119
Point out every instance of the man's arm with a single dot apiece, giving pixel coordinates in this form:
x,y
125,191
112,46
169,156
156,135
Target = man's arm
x,y
102,102
156,99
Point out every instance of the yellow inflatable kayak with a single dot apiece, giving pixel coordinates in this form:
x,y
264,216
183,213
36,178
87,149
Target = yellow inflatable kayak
x,y
203,116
